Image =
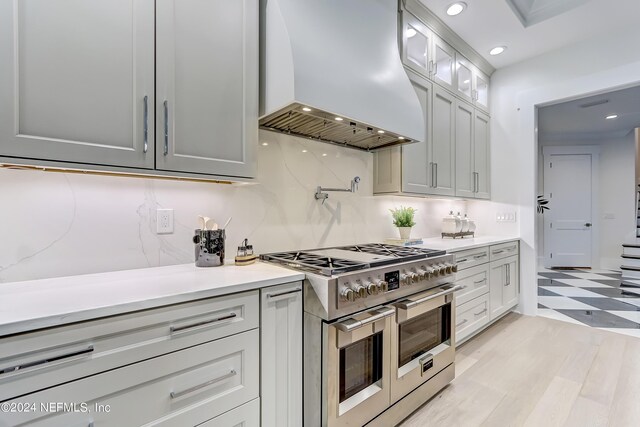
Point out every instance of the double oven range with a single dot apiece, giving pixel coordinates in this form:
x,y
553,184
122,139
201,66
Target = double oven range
x,y
379,334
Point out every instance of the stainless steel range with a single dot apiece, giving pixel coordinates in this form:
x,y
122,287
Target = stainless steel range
x,y
379,338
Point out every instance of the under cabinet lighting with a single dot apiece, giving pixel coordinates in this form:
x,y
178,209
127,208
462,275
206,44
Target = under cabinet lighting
x,y
307,109
401,137
456,8
380,131
611,116
410,32
339,119
265,144
497,50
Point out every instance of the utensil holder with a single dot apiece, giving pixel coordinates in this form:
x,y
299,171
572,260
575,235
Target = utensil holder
x,y
209,247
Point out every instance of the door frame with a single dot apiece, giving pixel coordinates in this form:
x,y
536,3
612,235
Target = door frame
x,y
594,151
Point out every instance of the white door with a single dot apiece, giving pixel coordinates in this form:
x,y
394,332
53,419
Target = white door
x,y
568,228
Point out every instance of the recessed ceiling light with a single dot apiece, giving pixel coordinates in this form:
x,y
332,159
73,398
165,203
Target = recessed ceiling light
x,y
324,154
611,116
265,143
339,119
380,131
304,151
410,32
456,8
497,50
307,109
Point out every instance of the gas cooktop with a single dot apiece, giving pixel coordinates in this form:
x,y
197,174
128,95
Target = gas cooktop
x,y
338,260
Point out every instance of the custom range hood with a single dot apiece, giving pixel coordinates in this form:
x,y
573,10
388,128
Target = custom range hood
x,y
331,71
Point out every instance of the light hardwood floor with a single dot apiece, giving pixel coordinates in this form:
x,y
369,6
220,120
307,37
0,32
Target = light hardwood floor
x,y
539,372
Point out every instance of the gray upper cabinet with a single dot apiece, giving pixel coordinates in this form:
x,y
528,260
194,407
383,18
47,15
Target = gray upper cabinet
x,y
417,45
160,87
442,161
207,86
415,157
76,81
472,152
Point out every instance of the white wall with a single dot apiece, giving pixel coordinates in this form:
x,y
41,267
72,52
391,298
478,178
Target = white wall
x,y
584,68
616,197
54,224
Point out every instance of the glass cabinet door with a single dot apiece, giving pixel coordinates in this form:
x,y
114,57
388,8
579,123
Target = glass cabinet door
x,y
481,93
464,76
444,60
416,45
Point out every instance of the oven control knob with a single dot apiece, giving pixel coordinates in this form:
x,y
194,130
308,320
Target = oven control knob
x,y
454,268
383,286
361,291
450,268
372,288
405,279
424,274
443,269
415,277
434,271
347,294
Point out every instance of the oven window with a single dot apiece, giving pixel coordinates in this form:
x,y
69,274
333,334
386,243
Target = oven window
x,y
423,333
360,365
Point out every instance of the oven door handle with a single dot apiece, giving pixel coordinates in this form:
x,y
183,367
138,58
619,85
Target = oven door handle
x,y
351,324
411,304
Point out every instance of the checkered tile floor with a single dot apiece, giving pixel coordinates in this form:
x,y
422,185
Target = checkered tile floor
x,y
589,297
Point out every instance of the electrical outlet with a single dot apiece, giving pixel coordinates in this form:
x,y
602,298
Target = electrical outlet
x,y
164,221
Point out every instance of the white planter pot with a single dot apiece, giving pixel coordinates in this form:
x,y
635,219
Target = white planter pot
x,y
405,232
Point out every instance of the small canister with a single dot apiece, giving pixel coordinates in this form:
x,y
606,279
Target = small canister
x,y
209,247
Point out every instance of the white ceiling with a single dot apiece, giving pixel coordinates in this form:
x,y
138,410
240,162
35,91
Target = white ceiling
x,y
485,24
569,121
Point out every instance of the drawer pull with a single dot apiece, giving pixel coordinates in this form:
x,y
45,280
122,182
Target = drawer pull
x,y
479,256
462,323
477,282
480,312
290,292
462,260
177,394
73,355
498,252
174,329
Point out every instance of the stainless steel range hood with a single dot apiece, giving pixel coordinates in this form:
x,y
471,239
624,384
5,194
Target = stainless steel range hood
x,y
331,71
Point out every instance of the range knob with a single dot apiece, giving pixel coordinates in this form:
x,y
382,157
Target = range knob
x,y
423,274
372,288
454,268
360,290
415,277
382,285
347,294
442,269
435,272
405,279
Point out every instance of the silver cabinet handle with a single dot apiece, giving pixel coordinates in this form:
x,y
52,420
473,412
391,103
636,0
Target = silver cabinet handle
x,y
145,124
431,63
175,329
480,312
166,127
290,293
498,252
44,362
351,324
435,69
462,260
508,274
433,180
480,256
435,185
177,394
410,304
462,323
477,282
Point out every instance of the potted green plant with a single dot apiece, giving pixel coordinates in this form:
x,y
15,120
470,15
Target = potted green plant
x,y
403,219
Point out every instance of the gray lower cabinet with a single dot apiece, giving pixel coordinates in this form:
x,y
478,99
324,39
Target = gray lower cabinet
x,y
281,355
472,152
489,278
156,87
207,86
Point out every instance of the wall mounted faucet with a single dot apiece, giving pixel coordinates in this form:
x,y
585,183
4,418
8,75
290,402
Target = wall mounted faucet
x,y
321,195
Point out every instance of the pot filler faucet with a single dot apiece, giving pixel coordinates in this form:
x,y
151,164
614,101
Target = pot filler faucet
x,y
321,195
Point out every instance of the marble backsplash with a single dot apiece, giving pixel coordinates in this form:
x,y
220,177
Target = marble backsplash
x,y
55,224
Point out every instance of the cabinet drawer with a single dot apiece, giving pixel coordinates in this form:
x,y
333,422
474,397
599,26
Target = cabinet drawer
x,y
472,257
247,415
205,381
475,281
57,355
504,250
471,316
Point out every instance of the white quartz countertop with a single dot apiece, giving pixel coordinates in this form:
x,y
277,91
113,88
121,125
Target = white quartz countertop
x,y
455,245
35,304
